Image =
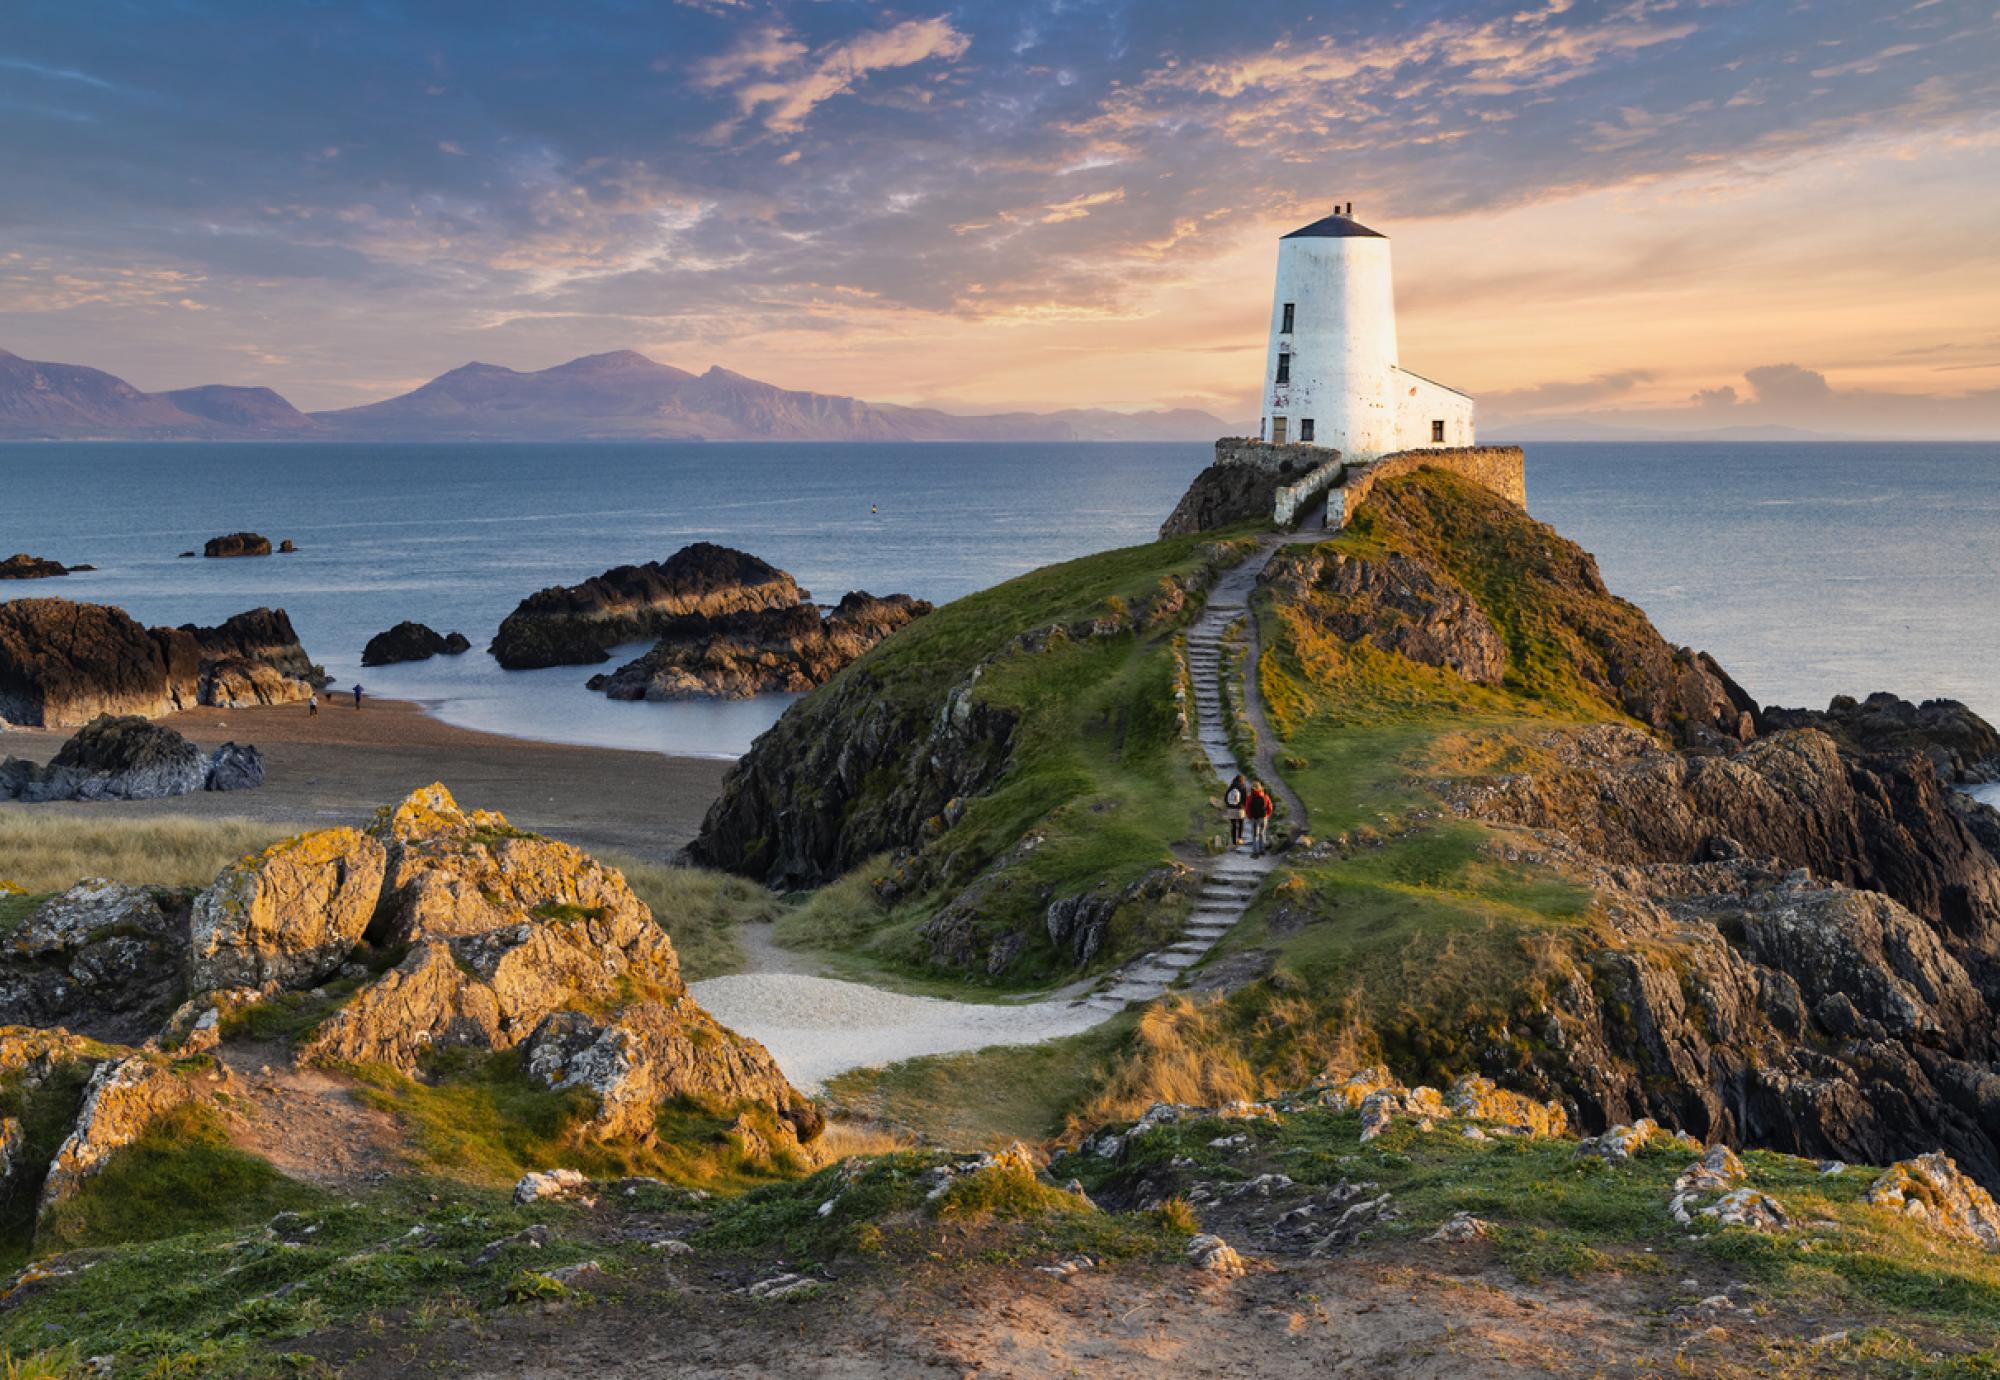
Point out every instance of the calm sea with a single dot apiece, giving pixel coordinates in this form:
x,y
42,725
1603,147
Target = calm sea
x,y
1808,570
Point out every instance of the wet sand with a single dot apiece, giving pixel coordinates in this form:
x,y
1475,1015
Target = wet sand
x,y
336,768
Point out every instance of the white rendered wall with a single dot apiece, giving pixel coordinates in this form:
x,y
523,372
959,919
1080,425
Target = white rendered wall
x,y
1344,373
1419,403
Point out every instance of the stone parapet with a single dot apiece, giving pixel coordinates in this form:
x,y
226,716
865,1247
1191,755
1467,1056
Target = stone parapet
x,y
1503,469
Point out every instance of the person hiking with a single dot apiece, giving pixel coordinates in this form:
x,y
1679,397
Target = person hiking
x,y
312,705
1234,798
1258,807
357,694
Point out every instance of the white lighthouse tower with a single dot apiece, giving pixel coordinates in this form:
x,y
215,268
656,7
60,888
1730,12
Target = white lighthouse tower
x,y
1331,377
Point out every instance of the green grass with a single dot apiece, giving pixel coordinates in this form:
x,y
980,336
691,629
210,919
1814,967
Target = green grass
x,y
988,1097
182,1175
1098,776
478,1118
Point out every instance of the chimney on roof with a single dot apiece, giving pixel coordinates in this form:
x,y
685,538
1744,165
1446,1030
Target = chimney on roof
x,y
1350,209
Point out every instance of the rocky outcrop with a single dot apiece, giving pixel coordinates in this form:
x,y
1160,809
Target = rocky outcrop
x,y
1882,823
1225,494
1400,605
101,959
576,625
738,655
1931,1189
1963,747
22,566
64,663
290,914
411,642
516,941
237,544
130,758
125,1097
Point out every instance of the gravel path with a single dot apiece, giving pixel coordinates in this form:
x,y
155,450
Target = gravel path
x,y
817,1027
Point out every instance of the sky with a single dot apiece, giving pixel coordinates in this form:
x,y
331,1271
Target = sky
x,y
1678,214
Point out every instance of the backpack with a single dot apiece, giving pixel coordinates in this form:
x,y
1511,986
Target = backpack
x,y
1233,797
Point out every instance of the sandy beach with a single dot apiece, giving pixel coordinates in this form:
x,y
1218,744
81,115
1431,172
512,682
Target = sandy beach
x,y
337,767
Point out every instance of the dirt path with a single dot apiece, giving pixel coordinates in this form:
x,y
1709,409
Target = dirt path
x,y
307,1123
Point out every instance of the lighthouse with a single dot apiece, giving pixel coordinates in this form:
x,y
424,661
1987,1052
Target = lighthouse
x,y
1332,376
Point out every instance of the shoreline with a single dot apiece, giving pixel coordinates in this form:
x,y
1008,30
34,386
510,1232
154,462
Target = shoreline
x,y
338,767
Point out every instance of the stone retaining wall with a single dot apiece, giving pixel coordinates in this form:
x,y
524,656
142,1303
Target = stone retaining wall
x,y
1293,501
1502,469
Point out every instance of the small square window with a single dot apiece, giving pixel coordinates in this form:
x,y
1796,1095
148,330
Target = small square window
x,y
1437,431
1284,368
1277,431
1286,328
1305,428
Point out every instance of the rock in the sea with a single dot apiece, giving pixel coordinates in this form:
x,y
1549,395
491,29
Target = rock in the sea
x,y
290,914
101,959
576,625
22,566
515,939
409,641
287,547
737,655
130,758
63,663
237,544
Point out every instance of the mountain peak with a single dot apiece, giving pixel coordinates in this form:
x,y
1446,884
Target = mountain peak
x,y
613,359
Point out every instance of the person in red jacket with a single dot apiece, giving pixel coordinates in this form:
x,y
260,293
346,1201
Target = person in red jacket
x,y
1258,810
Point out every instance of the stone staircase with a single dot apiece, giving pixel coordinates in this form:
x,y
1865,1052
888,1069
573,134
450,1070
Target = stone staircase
x,y
1232,880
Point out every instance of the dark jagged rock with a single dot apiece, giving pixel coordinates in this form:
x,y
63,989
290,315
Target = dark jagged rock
x,y
64,663
237,544
1882,822
101,960
129,758
22,566
287,547
411,642
576,625
1225,494
1962,746
738,655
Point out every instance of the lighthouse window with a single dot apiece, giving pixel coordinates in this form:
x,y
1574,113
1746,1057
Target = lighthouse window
x,y
1437,431
1284,368
1305,428
1277,431
1286,329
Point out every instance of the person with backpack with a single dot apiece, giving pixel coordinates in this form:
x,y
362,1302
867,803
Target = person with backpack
x,y
1258,806
1234,798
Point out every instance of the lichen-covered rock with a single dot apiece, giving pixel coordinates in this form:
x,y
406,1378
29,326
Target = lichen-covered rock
x,y
1933,1190
1750,1209
514,938
1460,1228
290,914
1618,1144
1480,1099
550,1184
100,959
650,1055
124,1097
1213,1254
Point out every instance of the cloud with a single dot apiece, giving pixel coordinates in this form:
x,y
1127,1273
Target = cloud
x,y
1544,396
784,102
1077,207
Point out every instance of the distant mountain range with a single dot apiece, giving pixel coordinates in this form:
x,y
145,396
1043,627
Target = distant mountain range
x,y
618,396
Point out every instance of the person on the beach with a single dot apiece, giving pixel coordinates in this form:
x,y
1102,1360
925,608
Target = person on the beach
x,y
357,694
312,705
1258,808
1233,799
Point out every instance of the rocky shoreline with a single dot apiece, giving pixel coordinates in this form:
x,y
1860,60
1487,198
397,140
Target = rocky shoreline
x,y
130,758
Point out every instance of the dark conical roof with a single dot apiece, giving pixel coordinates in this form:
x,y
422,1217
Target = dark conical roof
x,y
1336,226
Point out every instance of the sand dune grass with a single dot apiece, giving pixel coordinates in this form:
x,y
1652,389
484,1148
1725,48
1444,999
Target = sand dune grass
x,y
47,851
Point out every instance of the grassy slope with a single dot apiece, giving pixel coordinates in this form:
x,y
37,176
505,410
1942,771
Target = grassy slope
x,y
1098,769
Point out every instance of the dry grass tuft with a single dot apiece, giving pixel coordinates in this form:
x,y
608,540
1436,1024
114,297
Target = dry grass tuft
x,y
50,851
